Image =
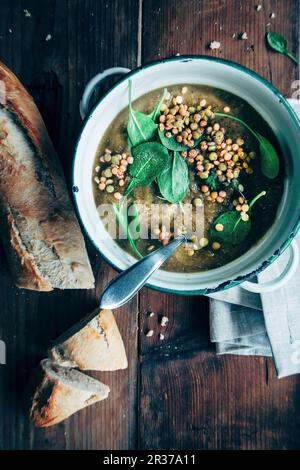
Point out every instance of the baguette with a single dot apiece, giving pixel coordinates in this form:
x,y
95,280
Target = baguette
x,y
39,230
61,392
94,343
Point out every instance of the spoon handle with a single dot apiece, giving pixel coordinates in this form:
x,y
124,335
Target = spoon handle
x,y
124,286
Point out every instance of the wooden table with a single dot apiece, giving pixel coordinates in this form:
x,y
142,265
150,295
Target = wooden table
x,y
175,394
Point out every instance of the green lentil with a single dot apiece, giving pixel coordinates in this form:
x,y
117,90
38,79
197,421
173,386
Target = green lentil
x,y
213,156
216,246
203,242
107,173
114,160
197,202
219,137
109,189
209,113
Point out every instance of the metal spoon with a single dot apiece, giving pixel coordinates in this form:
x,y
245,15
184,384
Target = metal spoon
x,y
123,287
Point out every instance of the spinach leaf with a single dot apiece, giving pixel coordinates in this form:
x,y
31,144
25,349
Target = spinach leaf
x,y
229,235
173,182
269,161
122,216
172,144
150,159
156,111
279,44
235,230
140,126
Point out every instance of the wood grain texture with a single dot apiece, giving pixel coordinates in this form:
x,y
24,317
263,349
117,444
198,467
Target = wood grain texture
x,y
86,37
191,399
207,402
187,27
176,393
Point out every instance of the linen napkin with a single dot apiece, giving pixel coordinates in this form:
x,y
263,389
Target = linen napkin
x,y
267,324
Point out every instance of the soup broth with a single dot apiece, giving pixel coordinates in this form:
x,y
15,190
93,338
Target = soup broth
x,y
224,168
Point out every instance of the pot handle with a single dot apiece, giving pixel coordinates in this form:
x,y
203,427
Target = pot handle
x,y
84,104
282,279
295,105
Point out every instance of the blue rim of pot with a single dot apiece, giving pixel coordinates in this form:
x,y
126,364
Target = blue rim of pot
x,y
188,58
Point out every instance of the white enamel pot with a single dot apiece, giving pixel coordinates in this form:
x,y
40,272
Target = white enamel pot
x,y
270,104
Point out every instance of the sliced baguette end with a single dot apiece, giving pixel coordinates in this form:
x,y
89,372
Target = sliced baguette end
x,y
61,392
95,343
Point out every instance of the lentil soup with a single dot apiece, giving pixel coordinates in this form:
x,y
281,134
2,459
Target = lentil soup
x,y
220,155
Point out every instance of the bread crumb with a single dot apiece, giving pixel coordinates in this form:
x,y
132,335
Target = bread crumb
x,y
244,36
161,337
233,36
149,334
27,13
184,90
164,321
214,45
10,30
151,314
258,7
48,37
272,15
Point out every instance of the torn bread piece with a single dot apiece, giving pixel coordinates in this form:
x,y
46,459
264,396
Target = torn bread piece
x,y
39,230
95,343
61,392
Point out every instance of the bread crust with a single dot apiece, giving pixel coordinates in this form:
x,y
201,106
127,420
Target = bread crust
x,y
39,229
97,345
54,401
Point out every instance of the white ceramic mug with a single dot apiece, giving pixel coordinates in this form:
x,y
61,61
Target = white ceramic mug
x,y
233,78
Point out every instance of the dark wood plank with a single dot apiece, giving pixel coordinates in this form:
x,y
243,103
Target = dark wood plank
x,y
87,37
186,330
209,402
188,27
192,399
